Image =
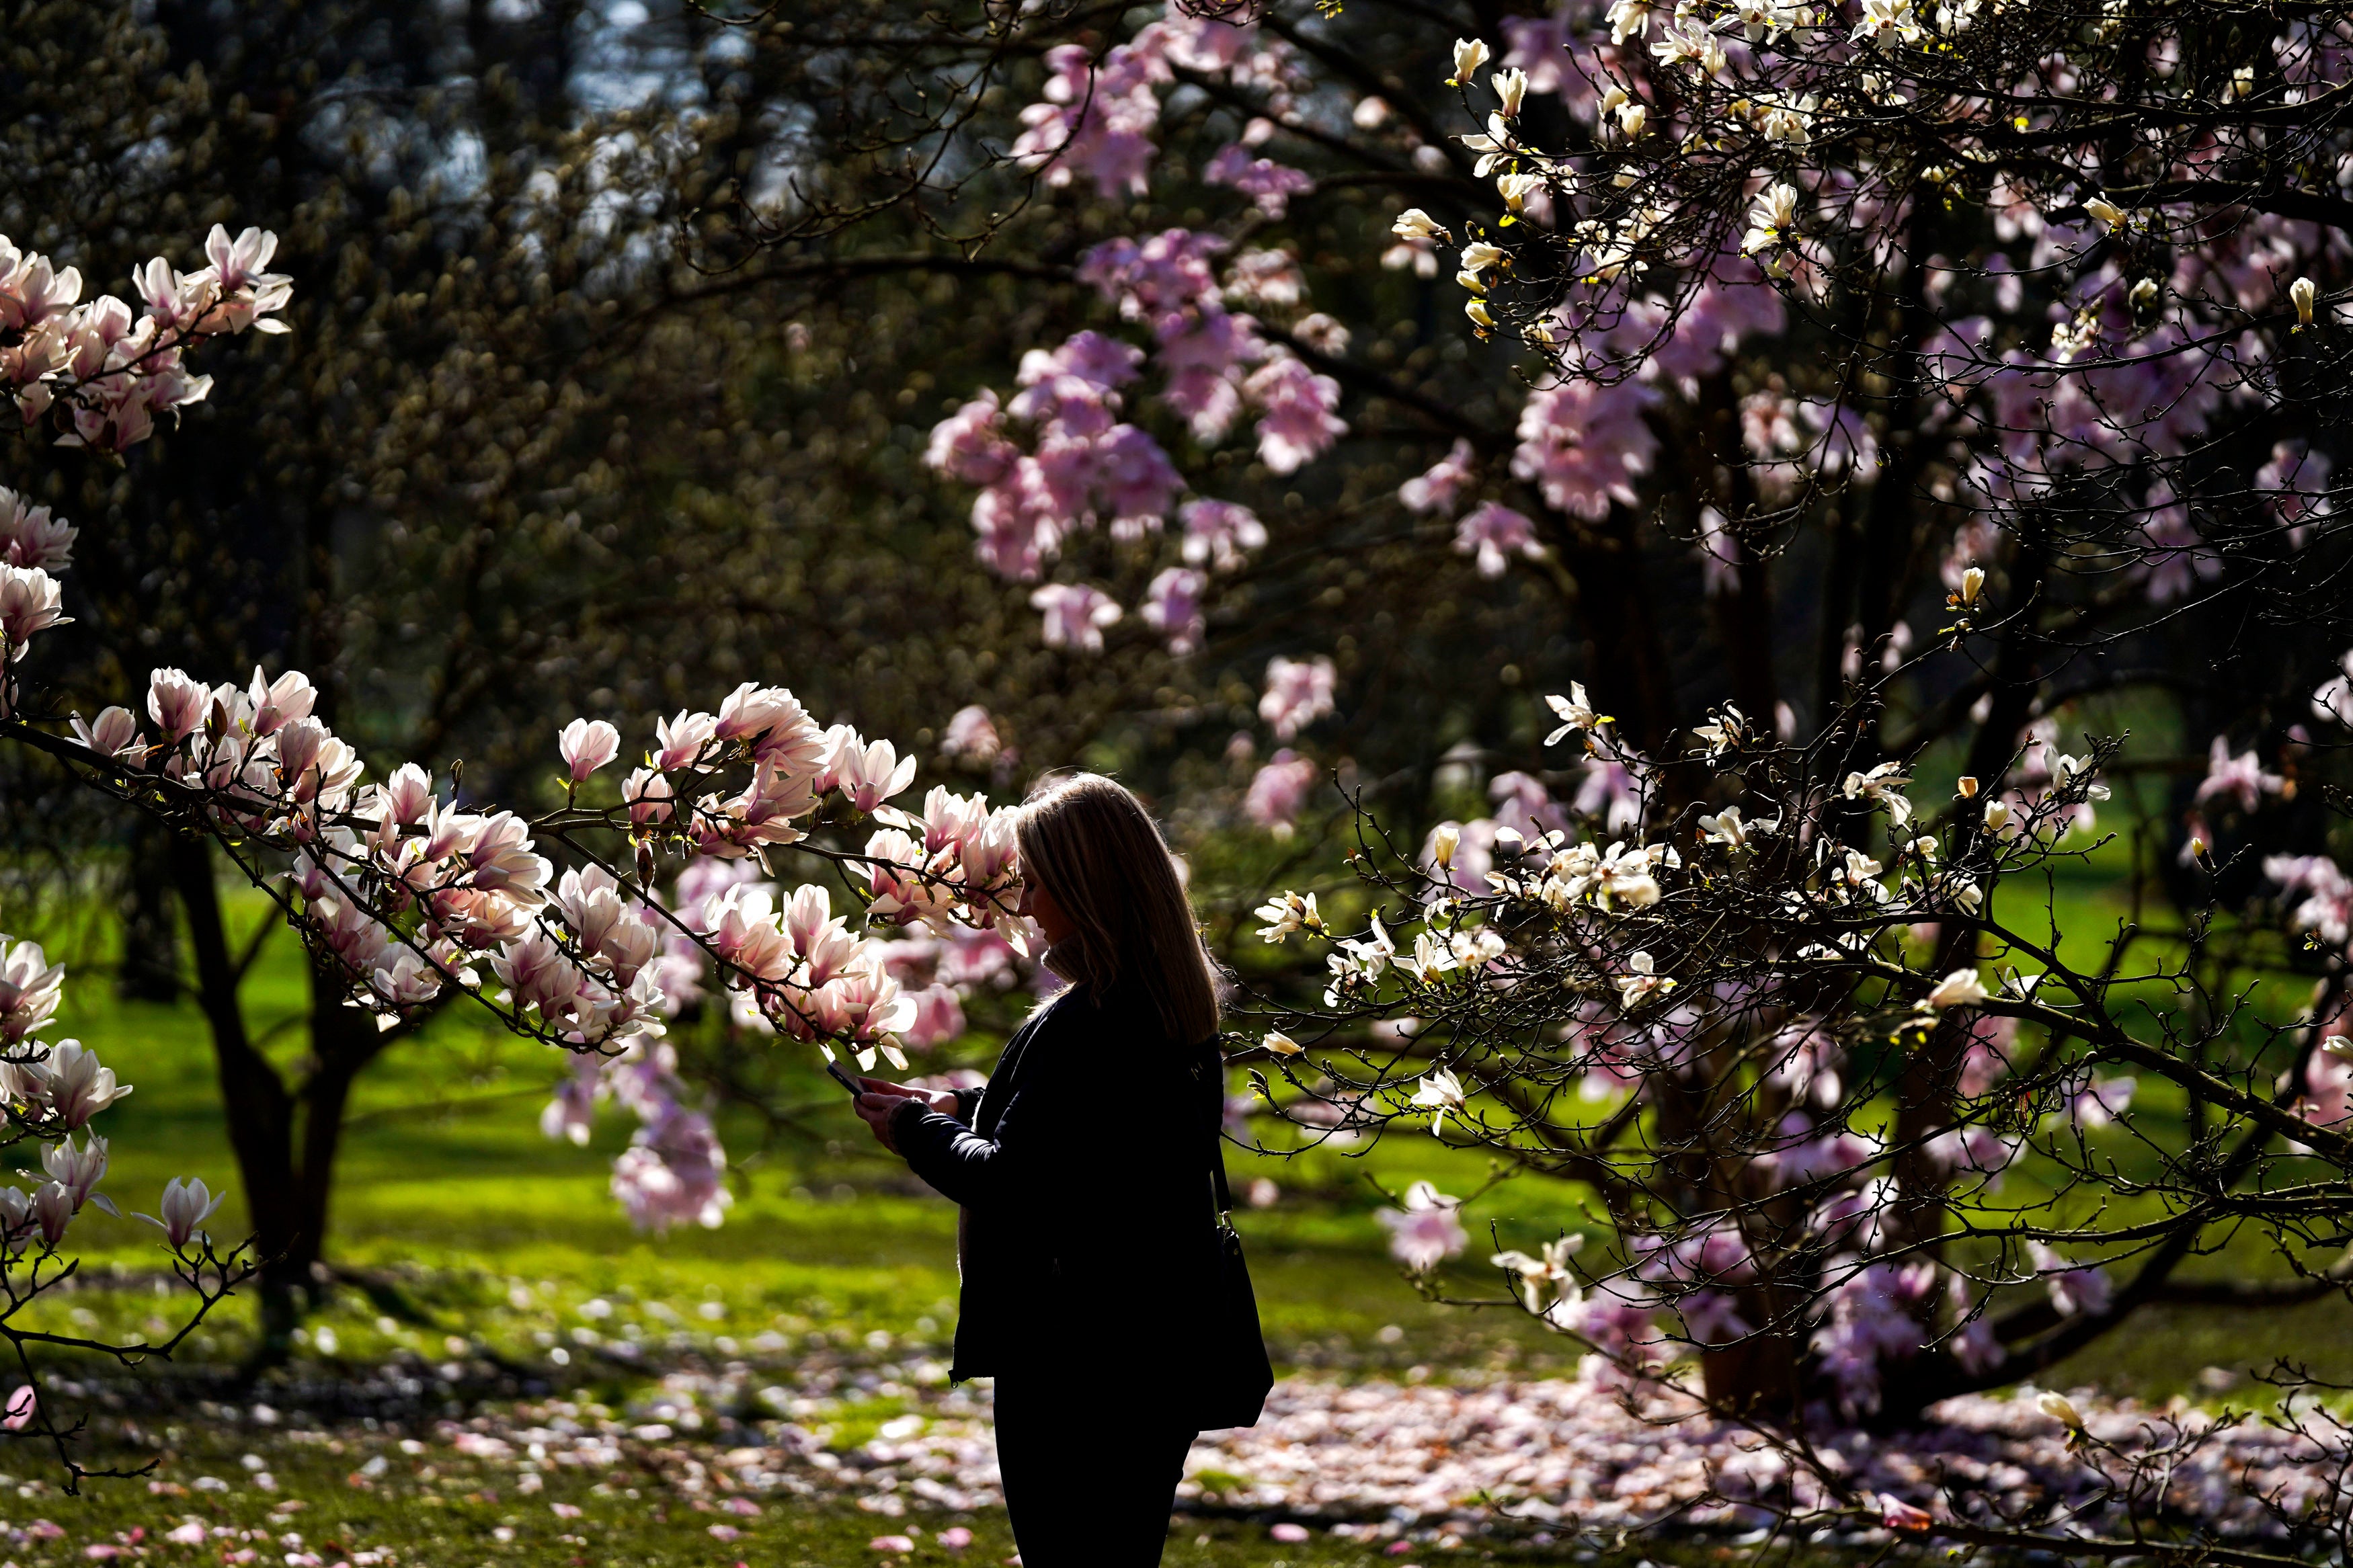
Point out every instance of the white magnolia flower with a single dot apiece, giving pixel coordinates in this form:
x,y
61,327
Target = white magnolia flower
x,y
1534,1274
1725,828
1439,1094
1629,20
1510,86
1887,22
1772,219
1575,711
1961,988
1469,54
2062,1409
1432,958
1415,224
1644,983
2301,294
1281,1044
1726,727
1288,912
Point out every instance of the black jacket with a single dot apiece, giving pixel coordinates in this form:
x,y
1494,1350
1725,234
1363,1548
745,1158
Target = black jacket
x,y
1089,1231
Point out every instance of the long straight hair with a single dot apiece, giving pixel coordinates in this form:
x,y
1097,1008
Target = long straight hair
x,y
1095,850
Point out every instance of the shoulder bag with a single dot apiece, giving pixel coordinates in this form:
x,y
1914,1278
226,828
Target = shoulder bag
x,y
1238,1376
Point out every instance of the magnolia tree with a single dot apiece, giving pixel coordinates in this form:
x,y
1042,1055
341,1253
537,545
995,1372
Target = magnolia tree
x,y
1864,395
408,894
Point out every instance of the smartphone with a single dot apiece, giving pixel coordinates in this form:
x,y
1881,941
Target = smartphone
x,y
833,1070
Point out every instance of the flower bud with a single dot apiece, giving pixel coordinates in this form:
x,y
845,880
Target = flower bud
x,y
2303,293
1972,584
1281,1044
1969,788
1415,224
1511,87
2337,1046
1442,845
2062,1409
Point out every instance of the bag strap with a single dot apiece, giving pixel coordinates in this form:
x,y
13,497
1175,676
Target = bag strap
x,y
1215,1077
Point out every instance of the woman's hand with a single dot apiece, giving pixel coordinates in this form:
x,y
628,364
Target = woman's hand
x,y
876,1106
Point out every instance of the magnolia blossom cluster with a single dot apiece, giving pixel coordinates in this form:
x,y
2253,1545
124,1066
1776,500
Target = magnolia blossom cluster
x,y
1098,117
1085,464
50,1091
411,891
2094,338
1564,926
110,370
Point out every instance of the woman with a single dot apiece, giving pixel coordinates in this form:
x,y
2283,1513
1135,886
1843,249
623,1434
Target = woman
x,y
1088,1237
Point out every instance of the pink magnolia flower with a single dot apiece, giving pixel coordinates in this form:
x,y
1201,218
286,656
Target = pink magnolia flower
x,y
971,736
1098,121
648,797
2327,907
1173,608
30,537
585,746
672,1171
28,605
1494,533
1434,488
71,1084
29,989
2294,485
1298,692
1278,789
1584,445
682,739
1296,423
2174,556
1426,1231
1896,1514
115,736
2075,1288
1269,185
890,1544
869,772
22,1403
53,1210
249,295
956,1537
78,1171
186,1204
969,443
1075,614
1219,532
2241,777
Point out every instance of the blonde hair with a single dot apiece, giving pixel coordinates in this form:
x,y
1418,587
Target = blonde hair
x,y
1093,847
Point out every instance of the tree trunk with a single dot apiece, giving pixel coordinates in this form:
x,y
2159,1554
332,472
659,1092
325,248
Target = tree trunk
x,y
151,937
255,1101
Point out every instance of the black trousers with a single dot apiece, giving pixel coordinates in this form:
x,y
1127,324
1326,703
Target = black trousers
x,y
1090,1470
